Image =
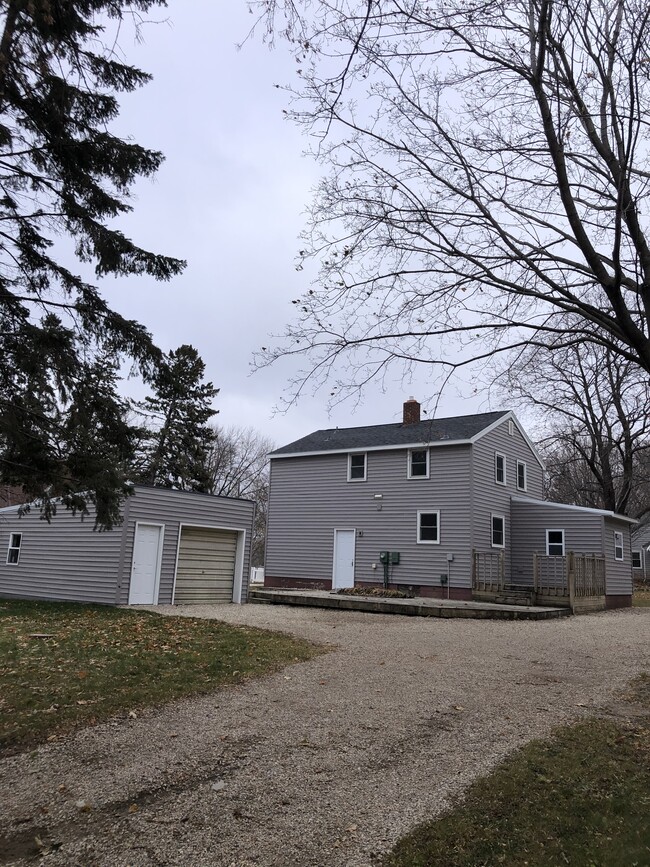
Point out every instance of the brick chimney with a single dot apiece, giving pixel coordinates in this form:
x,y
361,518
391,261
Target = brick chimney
x,y
411,411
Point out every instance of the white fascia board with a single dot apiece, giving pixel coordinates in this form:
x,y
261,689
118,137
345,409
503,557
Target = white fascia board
x,y
530,501
510,416
360,450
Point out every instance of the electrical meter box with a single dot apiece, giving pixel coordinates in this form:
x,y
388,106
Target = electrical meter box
x,y
394,557
384,556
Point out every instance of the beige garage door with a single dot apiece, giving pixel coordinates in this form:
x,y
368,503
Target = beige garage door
x,y
206,566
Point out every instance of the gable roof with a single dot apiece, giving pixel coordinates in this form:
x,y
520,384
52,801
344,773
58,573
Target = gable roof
x,y
435,431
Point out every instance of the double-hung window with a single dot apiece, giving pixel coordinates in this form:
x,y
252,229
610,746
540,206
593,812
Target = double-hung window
x,y
555,543
499,468
522,481
13,552
498,531
418,464
618,545
636,559
357,467
429,528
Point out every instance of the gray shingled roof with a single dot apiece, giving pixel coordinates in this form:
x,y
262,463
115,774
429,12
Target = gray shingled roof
x,y
462,427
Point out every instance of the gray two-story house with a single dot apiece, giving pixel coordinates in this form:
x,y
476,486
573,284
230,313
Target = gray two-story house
x,y
445,507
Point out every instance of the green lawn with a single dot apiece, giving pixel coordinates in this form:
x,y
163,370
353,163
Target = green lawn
x,y
581,798
92,662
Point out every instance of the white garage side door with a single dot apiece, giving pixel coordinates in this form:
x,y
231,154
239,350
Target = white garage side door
x,y
145,569
206,566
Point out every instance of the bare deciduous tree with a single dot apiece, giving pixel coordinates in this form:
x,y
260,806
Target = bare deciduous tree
x,y
237,466
594,409
487,185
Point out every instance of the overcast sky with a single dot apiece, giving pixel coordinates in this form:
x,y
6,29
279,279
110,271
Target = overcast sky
x,y
230,198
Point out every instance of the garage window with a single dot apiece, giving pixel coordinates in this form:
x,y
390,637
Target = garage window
x,y
13,552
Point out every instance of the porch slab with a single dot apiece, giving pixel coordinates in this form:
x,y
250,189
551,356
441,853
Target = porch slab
x,y
417,607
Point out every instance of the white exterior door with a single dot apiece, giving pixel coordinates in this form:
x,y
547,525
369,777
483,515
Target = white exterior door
x,y
145,571
343,573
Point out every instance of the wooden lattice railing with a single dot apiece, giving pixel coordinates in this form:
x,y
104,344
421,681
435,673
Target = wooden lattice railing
x,y
573,575
488,571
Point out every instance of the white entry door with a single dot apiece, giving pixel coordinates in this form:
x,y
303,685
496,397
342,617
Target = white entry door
x,y
145,571
343,573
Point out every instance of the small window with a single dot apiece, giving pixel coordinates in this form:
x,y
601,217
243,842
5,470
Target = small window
x,y
429,528
555,543
522,481
13,552
418,467
636,559
498,531
356,468
618,546
499,468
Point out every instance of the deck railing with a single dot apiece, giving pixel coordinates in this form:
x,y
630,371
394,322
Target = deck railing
x,y
573,575
488,571
550,575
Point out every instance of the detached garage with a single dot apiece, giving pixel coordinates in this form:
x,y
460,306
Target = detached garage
x,y
172,547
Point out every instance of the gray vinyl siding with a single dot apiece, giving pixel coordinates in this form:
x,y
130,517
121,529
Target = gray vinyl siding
x,y
488,497
619,572
68,560
310,497
583,534
65,560
173,508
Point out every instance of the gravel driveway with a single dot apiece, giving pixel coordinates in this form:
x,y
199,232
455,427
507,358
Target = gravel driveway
x,y
326,763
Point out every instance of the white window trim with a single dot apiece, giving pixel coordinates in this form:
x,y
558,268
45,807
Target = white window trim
x,y
17,547
428,541
365,466
525,466
548,544
505,471
408,464
494,515
619,535
640,553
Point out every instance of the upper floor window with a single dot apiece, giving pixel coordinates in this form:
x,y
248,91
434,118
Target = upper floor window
x,y
499,468
357,468
636,559
618,545
511,428
522,480
13,552
498,531
429,527
555,543
418,466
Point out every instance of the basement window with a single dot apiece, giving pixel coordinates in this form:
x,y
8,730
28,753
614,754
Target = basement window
x,y
13,552
618,546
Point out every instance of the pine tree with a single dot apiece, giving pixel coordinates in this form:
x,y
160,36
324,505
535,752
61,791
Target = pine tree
x,y
63,173
177,443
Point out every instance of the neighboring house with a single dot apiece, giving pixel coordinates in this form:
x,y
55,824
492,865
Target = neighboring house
x,y
455,504
641,552
172,547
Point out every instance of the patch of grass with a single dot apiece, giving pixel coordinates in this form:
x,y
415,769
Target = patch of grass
x,y
641,596
581,798
92,662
